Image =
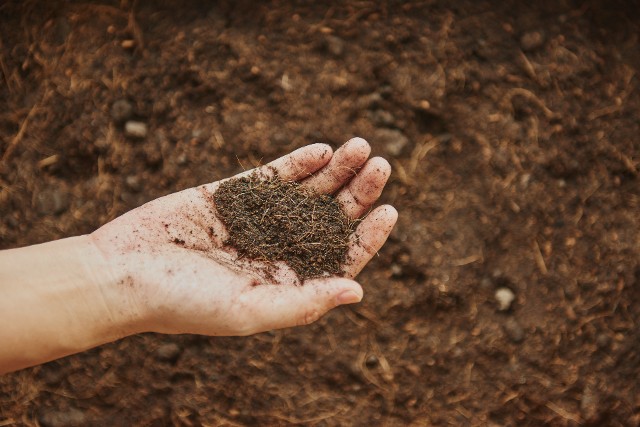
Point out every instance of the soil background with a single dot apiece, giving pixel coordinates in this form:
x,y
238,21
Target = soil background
x,y
513,131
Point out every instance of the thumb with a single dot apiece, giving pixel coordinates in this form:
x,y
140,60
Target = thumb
x,y
327,293
278,307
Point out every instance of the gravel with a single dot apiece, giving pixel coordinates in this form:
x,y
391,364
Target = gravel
x,y
504,297
168,352
134,183
136,130
121,111
52,201
514,330
393,141
335,46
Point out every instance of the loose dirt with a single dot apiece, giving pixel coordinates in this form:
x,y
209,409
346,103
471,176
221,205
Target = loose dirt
x,y
271,220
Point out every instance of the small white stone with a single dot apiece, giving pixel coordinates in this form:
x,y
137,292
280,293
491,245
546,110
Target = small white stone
x,y
504,297
393,140
134,129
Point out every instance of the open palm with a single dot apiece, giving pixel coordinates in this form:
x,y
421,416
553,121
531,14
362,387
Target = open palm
x,y
177,275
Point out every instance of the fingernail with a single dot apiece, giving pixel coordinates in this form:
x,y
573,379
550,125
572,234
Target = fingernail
x,y
348,297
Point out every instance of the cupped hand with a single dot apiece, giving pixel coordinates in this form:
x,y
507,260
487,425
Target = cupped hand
x,y
175,275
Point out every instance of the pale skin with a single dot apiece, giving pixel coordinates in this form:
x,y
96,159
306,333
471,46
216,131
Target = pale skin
x,y
163,268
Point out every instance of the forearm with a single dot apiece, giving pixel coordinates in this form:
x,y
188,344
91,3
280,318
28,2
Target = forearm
x,y
55,300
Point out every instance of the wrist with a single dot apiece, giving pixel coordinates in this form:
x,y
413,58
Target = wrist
x,y
113,286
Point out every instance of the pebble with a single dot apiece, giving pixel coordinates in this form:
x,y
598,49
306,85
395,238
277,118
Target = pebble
x,y
514,330
392,140
52,201
121,110
102,145
182,159
69,417
372,360
133,183
382,118
280,138
134,129
504,297
603,340
168,352
531,40
335,46
396,269
369,101
198,135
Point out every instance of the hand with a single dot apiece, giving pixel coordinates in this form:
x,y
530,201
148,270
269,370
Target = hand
x,y
176,276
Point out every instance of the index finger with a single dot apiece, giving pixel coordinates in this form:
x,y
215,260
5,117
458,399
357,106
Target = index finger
x,y
296,165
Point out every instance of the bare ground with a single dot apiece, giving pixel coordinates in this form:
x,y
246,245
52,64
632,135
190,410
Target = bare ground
x,y
513,133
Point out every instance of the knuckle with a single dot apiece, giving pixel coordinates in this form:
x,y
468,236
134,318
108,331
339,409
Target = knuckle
x,y
309,317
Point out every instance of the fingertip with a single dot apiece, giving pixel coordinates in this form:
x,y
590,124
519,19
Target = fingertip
x,y
357,140
390,212
349,285
348,292
359,145
324,150
348,297
341,290
386,213
380,165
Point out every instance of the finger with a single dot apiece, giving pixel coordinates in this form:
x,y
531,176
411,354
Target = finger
x,y
276,307
364,189
343,166
369,238
296,165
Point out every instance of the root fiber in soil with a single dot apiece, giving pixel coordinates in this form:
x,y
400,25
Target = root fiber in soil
x,y
271,220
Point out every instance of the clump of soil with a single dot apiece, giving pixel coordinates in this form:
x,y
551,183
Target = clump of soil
x,y
273,220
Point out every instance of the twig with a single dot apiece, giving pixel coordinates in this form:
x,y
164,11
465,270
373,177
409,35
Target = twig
x,y
626,160
564,413
405,175
528,67
18,136
367,374
467,260
240,163
604,111
387,372
508,98
420,152
539,259
3,67
135,29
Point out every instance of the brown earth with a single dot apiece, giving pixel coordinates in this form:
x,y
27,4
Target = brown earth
x,y
513,133
271,220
